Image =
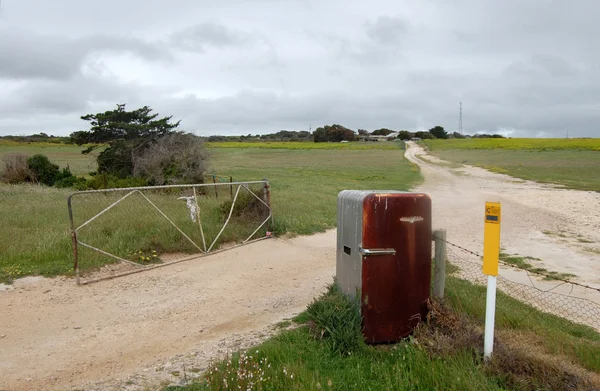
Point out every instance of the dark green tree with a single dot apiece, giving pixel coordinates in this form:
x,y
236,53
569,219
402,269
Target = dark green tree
x,y
438,132
404,135
334,133
382,132
125,133
424,135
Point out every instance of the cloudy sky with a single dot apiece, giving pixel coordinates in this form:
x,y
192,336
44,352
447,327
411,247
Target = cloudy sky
x,y
522,68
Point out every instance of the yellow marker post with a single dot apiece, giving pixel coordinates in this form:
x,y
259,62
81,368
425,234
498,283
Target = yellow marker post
x,y
491,255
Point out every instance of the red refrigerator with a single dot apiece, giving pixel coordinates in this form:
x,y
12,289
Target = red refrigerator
x,y
384,254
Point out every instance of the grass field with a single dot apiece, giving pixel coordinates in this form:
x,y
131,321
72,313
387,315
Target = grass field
x,y
591,144
305,184
326,352
572,163
307,145
61,154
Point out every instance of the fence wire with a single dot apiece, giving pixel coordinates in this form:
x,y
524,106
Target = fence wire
x,y
544,293
122,231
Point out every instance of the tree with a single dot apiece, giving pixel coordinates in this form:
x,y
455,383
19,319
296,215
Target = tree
x,y
363,132
382,132
127,133
404,135
438,132
424,135
333,133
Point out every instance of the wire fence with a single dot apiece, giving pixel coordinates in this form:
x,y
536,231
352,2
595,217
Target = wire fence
x,y
543,292
122,231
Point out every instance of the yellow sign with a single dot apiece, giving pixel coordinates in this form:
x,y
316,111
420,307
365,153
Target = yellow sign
x,y
491,238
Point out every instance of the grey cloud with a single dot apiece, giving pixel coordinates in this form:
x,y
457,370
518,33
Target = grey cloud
x,y
530,68
380,43
387,30
28,55
197,37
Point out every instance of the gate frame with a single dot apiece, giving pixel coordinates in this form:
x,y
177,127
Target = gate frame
x,y
131,190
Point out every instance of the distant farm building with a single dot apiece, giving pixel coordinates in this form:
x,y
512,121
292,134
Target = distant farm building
x,y
390,137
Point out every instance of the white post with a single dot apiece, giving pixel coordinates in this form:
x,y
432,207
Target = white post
x,y
490,313
491,253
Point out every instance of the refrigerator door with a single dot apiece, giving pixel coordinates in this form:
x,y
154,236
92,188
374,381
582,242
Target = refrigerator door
x,y
396,264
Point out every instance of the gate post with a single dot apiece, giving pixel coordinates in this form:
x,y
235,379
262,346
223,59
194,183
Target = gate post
x,y
73,240
267,199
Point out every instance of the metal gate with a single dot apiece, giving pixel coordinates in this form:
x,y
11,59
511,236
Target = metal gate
x,y
116,232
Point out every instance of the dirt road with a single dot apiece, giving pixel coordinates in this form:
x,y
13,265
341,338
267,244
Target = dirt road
x,y
560,227
141,329
56,335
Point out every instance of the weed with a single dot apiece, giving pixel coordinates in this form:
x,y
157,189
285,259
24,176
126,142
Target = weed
x,y
582,240
521,263
284,324
336,319
146,257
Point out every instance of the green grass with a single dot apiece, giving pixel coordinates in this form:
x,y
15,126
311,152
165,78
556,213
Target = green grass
x,y
305,184
571,163
445,354
523,263
592,144
307,145
61,154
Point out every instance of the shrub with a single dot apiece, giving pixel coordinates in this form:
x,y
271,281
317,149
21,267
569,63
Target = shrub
x,y
178,158
109,181
66,179
42,169
16,169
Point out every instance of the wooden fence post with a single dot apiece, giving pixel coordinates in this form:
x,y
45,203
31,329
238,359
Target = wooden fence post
x,y
439,283
215,182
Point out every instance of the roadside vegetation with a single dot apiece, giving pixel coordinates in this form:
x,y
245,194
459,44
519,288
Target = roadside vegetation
x,y
324,350
305,184
572,163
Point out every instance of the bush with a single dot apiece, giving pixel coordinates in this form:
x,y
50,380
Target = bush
x,y
65,179
177,158
42,169
16,169
109,181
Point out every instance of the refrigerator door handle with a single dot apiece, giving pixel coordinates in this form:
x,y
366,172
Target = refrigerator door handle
x,y
376,251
